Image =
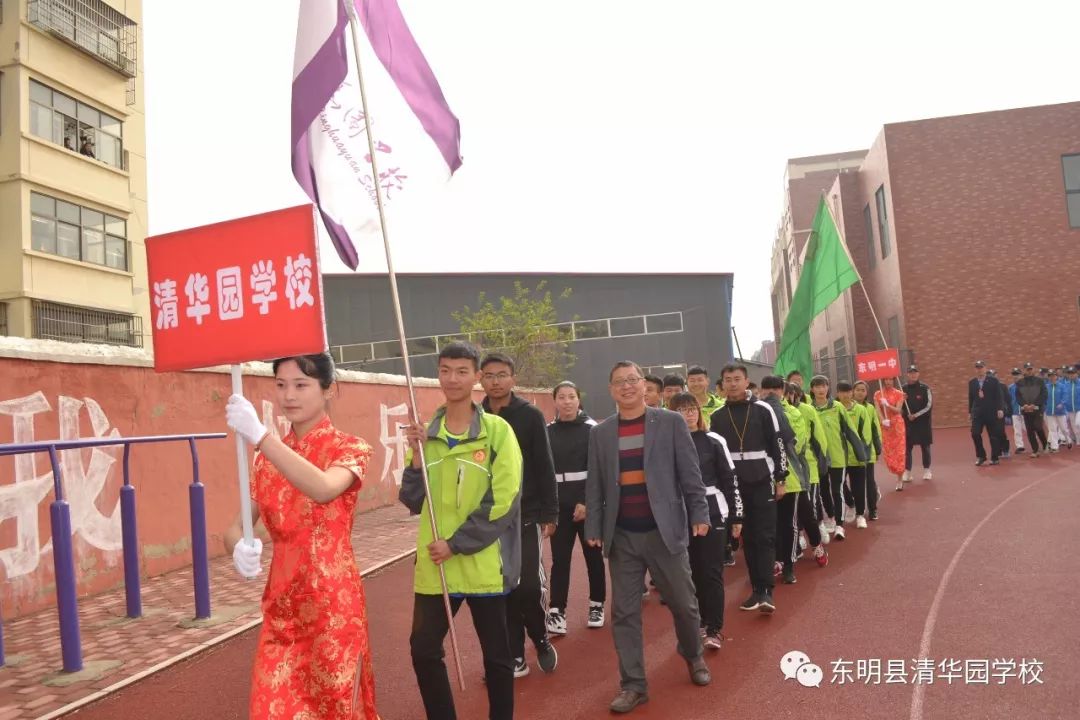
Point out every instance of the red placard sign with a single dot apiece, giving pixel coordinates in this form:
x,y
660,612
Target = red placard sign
x,y
878,364
246,289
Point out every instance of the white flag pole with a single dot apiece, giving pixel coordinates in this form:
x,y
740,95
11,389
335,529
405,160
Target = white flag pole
x,y
242,463
354,27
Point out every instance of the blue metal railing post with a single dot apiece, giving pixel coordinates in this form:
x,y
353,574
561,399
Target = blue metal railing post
x,y
200,558
132,583
64,565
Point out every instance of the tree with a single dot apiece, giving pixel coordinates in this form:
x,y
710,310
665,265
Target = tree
x,y
524,326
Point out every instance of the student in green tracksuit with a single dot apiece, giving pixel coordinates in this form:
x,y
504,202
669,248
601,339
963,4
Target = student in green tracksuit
x,y
860,391
474,471
856,462
842,441
816,457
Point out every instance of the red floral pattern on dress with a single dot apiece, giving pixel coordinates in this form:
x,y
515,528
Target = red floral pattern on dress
x,y
313,657
892,437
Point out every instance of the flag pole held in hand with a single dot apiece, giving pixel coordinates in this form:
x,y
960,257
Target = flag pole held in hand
x,y
242,464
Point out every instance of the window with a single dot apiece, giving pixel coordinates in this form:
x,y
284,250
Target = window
x,y
1071,165
53,321
842,364
894,332
668,322
65,229
91,26
627,326
590,329
80,128
883,222
868,221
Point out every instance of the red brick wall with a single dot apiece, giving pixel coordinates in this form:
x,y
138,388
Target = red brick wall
x,y
989,266
46,400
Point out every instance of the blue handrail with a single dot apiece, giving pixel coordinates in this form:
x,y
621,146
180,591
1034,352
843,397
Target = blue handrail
x,y
63,554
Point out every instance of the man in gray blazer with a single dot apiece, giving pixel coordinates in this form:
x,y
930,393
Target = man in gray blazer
x,y
642,495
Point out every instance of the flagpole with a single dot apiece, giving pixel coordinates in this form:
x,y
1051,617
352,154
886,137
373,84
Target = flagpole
x,y
847,251
354,27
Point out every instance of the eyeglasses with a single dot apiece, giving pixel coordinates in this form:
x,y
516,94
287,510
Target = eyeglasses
x,y
688,411
499,376
621,382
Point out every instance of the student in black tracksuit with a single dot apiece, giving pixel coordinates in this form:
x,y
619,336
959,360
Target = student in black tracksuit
x,y
526,606
569,439
752,433
707,552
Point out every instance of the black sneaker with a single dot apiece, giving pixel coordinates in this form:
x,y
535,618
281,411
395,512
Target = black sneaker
x,y
789,575
751,603
546,657
980,462
730,562
521,668
1020,451
873,515
994,462
767,605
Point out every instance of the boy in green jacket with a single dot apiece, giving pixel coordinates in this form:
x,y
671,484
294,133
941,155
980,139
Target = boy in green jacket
x,y
474,474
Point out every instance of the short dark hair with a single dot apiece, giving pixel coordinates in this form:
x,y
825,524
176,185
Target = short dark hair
x,y
623,364
697,370
795,392
658,382
772,382
843,386
674,380
751,386
819,380
793,373
734,367
319,366
497,358
461,351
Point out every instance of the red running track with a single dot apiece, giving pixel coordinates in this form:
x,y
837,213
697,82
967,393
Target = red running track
x,y
1003,539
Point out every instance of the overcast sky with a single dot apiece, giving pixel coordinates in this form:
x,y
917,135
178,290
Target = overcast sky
x,y
600,135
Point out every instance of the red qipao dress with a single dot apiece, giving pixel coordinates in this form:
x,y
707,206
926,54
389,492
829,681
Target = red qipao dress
x,y
892,436
313,658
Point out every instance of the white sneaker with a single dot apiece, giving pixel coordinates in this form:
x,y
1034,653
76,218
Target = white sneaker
x,y
849,513
802,543
839,533
830,525
596,615
521,668
824,533
927,475
907,476
556,622
860,522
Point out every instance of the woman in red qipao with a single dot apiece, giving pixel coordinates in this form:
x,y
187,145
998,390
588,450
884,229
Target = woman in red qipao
x,y
313,660
889,402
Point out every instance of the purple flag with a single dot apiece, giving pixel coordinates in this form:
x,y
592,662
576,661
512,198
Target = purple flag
x,y
417,137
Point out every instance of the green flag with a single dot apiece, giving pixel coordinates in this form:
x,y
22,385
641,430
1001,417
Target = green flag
x,y
826,273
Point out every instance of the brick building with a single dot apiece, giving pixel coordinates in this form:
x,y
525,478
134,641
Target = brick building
x,y
965,230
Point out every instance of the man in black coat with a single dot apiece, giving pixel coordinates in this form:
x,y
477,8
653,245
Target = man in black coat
x,y
987,412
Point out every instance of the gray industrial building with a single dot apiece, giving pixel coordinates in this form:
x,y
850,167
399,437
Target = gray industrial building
x,y
663,322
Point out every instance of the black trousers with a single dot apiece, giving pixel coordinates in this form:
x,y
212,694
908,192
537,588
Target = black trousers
x,y
707,570
909,446
871,488
990,424
526,605
429,630
1036,430
808,511
562,553
833,495
759,533
857,477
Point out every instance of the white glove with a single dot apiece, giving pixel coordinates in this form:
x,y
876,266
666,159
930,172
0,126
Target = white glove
x,y
241,417
886,422
247,558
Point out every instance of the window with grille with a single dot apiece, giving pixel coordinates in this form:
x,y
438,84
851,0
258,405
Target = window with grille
x,y
71,323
